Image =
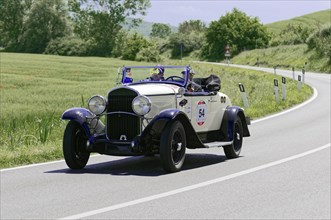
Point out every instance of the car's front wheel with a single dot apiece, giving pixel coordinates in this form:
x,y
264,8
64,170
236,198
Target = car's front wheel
x,y
233,150
74,146
173,147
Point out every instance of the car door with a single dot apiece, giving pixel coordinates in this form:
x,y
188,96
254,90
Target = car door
x,y
202,112
207,111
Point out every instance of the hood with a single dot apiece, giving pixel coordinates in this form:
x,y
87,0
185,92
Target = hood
x,y
155,89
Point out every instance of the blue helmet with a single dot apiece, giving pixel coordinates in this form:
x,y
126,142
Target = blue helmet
x,y
160,69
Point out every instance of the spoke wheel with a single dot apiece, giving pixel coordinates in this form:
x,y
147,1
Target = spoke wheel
x,y
233,150
173,147
74,146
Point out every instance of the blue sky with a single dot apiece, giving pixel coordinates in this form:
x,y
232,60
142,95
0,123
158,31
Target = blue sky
x,y
174,12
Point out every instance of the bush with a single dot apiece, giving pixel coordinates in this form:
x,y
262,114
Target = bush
x,y
133,45
149,54
68,46
190,42
292,35
321,42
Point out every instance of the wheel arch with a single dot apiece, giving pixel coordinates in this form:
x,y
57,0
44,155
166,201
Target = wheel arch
x,y
159,122
80,116
228,120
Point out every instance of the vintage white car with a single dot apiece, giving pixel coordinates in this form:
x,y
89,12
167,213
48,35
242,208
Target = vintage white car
x,y
155,110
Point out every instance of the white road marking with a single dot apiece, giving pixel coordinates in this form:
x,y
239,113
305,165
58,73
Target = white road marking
x,y
195,186
38,164
315,94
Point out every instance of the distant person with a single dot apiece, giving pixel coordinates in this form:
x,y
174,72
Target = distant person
x,y
191,85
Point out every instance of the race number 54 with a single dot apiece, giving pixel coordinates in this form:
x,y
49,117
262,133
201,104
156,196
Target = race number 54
x,y
201,115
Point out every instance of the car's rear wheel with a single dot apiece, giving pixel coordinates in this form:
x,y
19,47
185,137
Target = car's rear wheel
x,y
74,146
233,150
173,147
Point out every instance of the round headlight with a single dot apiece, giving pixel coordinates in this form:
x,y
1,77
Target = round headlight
x,y
97,104
141,105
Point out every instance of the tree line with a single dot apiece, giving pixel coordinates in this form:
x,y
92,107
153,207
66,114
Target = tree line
x,y
95,28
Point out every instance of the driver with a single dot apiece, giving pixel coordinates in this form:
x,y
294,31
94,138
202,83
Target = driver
x,y
191,85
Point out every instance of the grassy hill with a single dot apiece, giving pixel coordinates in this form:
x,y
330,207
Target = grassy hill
x,y
285,57
314,20
288,56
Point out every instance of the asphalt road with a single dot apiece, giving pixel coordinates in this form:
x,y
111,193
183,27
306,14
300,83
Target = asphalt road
x,y
283,173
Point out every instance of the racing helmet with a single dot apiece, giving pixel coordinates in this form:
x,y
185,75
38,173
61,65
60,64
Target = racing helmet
x,y
160,69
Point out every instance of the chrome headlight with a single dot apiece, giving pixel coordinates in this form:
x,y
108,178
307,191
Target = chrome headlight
x,y
97,104
141,105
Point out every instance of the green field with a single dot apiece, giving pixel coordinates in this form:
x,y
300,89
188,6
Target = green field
x,y
286,57
36,89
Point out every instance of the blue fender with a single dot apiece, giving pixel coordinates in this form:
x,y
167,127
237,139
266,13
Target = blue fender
x,y
159,121
156,126
79,115
229,117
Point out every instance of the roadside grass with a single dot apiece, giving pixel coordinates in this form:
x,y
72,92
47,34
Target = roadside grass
x,y
285,57
37,89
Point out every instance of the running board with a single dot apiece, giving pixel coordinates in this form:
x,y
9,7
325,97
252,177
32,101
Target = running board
x,y
217,144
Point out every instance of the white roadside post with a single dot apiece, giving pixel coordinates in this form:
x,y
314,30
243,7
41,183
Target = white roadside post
x,y
293,72
284,87
243,95
276,90
275,67
299,83
303,76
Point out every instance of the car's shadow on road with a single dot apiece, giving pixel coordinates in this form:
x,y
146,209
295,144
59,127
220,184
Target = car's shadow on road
x,y
144,166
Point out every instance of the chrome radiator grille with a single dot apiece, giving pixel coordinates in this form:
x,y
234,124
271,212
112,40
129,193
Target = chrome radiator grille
x,y
121,126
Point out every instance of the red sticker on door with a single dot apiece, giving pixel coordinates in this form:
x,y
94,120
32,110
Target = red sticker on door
x,y
201,115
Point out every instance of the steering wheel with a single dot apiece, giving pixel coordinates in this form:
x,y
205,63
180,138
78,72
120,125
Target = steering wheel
x,y
173,78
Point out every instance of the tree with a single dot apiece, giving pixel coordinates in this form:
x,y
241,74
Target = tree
x,y
100,21
46,20
187,27
190,37
160,30
183,44
12,15
133,45
237,30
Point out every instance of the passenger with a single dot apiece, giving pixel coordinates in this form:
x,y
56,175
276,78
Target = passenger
x,y
191,85
158,74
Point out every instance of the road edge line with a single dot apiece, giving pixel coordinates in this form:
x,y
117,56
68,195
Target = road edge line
x,y
195,186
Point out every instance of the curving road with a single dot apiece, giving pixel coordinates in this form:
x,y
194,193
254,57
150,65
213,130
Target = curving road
x,y
283,173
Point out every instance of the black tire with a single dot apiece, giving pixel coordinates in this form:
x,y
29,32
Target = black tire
x,y
74,146
233,150
173,147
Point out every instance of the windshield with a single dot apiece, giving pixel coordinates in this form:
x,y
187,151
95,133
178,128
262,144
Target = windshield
x,y
155,74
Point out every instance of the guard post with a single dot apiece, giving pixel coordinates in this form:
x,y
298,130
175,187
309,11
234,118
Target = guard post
x,y
303,75
299,83
284,87
276,90
275,67
293,72
243,95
